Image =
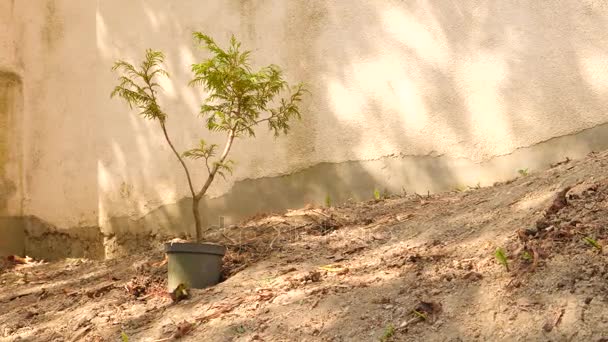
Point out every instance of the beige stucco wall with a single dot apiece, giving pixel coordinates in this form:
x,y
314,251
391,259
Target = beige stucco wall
x,y
404,94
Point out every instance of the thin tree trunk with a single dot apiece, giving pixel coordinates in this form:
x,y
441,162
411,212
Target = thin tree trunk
x,y
181,161
197,218
195,199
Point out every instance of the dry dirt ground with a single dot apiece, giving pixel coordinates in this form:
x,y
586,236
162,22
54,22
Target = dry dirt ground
x,y
407,268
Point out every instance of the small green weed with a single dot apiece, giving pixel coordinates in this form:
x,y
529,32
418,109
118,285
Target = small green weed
x,y
124,337
501,256
388,333
385,193
526,256
377,195
461,188
523,172
420,314
592,242
328,201
240,330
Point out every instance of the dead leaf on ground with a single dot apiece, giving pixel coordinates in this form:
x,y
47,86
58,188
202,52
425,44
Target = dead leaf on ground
x,y
99,291
218,309
15,259
354,250
310,277
337,269
183,328
135,289
553,320
80,333
264,294
289,270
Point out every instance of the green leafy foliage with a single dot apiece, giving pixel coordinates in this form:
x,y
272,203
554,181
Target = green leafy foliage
x,y
124,337
224,167
501,256
523,172
327,201
138,86
240,98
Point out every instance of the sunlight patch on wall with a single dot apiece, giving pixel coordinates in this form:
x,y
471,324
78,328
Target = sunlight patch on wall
x,y
188,94
168,90
346,103
594,69
152,18
408,101
481,77
103,41
426,39
103,184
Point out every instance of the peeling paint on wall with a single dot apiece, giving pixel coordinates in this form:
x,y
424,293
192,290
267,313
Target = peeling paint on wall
x,y
44,241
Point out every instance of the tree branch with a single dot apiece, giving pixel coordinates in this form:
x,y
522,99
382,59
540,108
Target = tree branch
x,y
181,160
229,141
255,123
164,128
207,165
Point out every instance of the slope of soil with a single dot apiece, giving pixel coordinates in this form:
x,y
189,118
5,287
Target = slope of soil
x,y
411,268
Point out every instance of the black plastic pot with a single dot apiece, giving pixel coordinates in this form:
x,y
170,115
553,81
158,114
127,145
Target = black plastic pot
x,y
196,265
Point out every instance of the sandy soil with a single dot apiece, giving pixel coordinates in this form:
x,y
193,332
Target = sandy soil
x,y
406,268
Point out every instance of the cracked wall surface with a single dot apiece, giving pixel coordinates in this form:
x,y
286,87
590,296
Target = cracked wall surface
x,y
421,96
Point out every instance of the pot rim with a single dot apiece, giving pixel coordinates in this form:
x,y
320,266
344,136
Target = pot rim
x,y
195,248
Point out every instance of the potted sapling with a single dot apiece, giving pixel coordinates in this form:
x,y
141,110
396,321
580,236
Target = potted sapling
x,y
238,100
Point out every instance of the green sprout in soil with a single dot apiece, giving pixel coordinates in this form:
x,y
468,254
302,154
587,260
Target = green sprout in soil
x,y
501,256
523,172
388,333
419,314
592,242
327,201
461,188
377,195
385,193
240,330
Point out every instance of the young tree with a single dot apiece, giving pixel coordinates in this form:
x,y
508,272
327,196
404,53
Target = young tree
x,y
239,100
